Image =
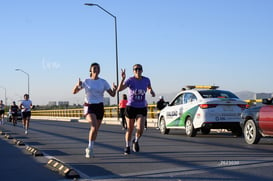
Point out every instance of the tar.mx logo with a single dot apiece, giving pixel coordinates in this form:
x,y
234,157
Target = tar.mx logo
x,y
50,65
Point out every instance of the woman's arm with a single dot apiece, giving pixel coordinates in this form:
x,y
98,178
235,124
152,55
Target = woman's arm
x,y
150,89
112,92
77,87
121,85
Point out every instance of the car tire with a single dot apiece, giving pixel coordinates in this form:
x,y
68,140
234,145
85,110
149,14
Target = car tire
x,y
251,133
162,126
190,131
205,131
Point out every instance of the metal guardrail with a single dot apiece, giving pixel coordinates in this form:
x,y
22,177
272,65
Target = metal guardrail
x,y
109,112
251,101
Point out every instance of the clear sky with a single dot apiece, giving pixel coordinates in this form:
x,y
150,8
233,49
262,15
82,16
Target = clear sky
x,y
178,42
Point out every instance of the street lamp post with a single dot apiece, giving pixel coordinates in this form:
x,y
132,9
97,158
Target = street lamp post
x,y
116,42
27,78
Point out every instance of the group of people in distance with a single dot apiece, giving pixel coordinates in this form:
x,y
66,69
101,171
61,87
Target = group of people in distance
x,y
25,106
135,109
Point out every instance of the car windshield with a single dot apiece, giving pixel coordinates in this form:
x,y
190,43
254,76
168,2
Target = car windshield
x,y
217,94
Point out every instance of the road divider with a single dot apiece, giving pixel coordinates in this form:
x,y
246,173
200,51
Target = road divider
x,y
18,142
8,136
63,169
2,132
34,151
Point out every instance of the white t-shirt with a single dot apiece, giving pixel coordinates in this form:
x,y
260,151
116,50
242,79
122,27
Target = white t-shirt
x,y
94,90
26,105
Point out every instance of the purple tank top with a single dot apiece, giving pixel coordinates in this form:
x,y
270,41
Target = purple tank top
x,y
137,91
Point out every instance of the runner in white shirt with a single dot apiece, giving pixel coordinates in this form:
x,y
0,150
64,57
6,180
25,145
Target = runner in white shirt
x,y
94,108
26,106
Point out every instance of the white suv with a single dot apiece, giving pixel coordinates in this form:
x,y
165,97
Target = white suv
x,y
202,108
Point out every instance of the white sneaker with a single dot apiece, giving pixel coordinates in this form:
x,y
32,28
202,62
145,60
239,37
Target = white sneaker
x,y
26,132
89,153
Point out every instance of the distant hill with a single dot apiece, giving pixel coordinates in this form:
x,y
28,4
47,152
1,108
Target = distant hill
x,y
244,95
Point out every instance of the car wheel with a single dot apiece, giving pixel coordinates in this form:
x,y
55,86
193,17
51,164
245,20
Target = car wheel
x,y
251,133
190,131
162,126
205,131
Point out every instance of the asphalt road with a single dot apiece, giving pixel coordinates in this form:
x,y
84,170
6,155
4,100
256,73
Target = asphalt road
x,y
218,156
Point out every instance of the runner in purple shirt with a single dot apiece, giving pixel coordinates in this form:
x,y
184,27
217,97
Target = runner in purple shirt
x,y
136,109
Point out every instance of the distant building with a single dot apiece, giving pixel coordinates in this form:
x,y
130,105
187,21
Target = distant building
x,y
52,103
63,103
262,96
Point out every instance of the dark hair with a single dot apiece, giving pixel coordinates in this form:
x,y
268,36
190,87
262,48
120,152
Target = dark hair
x,y
139,65
124,96
92,65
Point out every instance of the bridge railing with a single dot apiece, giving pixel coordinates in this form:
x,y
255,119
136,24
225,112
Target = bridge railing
x,y
109,112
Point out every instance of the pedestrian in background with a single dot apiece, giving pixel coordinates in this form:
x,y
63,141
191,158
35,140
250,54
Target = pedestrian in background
x,y
93,103
160,104
145,118
26,106
122,106
14,111
136,109
2,112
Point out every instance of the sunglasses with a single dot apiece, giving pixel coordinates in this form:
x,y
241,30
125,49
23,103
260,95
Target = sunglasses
x,y
138,69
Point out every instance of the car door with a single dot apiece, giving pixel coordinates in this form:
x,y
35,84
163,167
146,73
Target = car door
x,y
174,112
266,119
189,106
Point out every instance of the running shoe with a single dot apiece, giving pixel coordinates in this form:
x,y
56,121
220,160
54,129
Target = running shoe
x,y
26,132
127,150
89,153
135,146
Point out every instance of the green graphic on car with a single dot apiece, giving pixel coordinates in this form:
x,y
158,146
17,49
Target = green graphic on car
x,y
180,121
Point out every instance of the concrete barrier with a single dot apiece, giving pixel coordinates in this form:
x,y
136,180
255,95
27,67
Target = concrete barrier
x,y
151,122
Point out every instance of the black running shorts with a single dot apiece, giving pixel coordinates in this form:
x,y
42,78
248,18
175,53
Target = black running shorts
x,y
26,114
97,109
132,112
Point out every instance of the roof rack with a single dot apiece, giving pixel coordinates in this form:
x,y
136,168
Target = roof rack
x,y
202,87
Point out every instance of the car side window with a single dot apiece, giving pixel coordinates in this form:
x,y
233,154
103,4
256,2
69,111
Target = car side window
x,y
189,97
178,100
